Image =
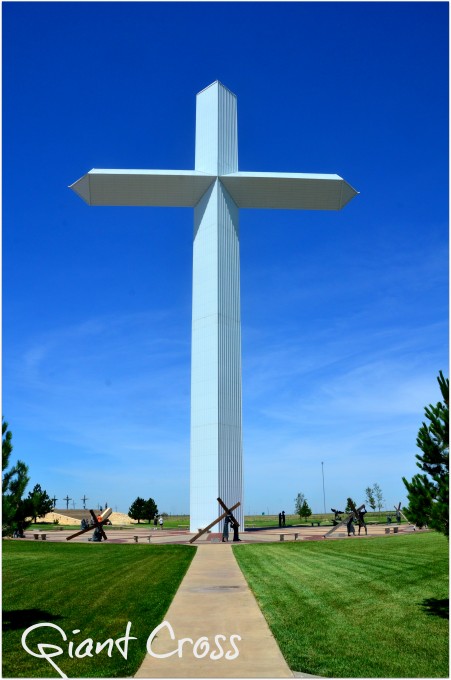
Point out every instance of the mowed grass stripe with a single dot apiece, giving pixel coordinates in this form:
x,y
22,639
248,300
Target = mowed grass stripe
x,y
96,588
355,608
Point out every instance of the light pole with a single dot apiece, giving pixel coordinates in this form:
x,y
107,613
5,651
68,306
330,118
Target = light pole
x,y
324,493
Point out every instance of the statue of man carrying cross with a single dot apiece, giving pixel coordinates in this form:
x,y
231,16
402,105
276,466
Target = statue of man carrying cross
x,y
216,189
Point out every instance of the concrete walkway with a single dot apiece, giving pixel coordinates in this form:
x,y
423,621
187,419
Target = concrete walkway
x,y
215,599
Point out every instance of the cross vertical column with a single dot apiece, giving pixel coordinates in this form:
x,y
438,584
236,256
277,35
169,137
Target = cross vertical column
x,y
216,432
216,131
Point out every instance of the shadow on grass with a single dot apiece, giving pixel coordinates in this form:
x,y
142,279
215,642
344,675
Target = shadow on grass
x,y
435,607
18,619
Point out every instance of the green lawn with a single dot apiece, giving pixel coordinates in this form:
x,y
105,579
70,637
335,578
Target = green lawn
x,y
96,588
355,608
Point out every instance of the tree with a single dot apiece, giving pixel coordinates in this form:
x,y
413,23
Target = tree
x,y
428,494
301,506
298,503
150,509
370,498
137,509
377,491
40,502
7,446
305,510
15,510
14,483
349,502
18,511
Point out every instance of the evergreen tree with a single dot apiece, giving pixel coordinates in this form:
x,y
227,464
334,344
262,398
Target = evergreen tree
x,y
428,494
7,446
137,509
14,483
298,503
305,510
18,511
15,510
348,507
370,498
150,509
40,502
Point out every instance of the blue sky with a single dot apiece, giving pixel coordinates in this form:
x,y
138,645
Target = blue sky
x,y
344,315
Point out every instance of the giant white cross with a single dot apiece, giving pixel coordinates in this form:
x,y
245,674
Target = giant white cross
x,y
216,190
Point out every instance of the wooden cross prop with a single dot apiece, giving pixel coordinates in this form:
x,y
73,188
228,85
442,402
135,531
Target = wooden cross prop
x,y
97,523
398,509
354,514
228,511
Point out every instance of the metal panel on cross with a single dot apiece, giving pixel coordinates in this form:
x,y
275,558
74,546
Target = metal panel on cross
x,y
287,191
173,188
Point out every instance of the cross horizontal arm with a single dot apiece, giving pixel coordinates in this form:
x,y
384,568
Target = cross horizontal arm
x,y
292,191
172,188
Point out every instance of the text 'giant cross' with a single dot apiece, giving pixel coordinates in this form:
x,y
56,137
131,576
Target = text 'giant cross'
x,y
216,190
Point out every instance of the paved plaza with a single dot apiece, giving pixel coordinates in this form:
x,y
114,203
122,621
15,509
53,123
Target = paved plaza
x,y
173,536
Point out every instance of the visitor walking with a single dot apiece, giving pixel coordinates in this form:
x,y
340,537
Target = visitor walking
x,y
160,521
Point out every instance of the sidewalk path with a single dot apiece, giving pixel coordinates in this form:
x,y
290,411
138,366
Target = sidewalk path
x,y
214,599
